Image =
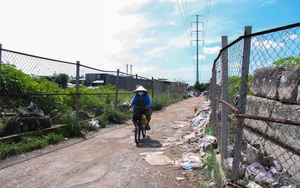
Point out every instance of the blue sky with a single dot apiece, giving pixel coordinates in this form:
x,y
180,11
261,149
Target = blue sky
x,y
150,35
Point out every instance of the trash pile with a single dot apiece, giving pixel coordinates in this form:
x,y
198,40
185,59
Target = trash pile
x,y
31,119
195,144
264,171
32,110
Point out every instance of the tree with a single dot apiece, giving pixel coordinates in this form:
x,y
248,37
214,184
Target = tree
x,y
62,80
201,86
288,61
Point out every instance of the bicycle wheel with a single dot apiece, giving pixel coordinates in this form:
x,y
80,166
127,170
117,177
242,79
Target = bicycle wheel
x,y
137,134
143,128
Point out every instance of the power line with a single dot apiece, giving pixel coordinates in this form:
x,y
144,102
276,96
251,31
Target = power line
x,y
185,12
185,27
188,11
207,13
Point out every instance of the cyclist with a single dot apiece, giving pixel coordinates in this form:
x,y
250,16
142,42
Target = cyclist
x,y
141,102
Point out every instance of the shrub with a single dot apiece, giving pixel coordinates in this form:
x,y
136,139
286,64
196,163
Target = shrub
x,y
73,126
116,116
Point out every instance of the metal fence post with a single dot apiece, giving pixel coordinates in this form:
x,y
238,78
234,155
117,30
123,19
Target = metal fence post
x,y
242,103
152,87
224,91
117,88
213,98
77,87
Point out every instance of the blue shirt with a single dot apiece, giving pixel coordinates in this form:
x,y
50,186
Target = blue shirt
x,y
145,97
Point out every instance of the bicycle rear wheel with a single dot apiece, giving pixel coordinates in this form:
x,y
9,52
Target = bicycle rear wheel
x,y
137,133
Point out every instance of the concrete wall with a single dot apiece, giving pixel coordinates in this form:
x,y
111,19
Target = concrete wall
x,y
277,83
276,95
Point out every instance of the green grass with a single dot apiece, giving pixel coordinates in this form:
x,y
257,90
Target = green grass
x,y
210,172
28,143
73,126
163,100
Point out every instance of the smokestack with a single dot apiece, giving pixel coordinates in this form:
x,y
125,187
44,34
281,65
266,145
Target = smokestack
x,y
131,69
127,68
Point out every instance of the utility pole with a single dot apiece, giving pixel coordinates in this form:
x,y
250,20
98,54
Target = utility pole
x,y
197,44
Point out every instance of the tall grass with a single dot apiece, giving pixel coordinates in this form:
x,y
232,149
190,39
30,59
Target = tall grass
x,y
74,127
162,100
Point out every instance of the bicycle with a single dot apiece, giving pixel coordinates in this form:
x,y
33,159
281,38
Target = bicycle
x,y
140,128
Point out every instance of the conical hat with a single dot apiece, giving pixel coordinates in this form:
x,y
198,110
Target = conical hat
x,y
140,88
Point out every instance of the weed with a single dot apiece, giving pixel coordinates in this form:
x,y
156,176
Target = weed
x,y
208,129
211,172
115,116
162,100
73,126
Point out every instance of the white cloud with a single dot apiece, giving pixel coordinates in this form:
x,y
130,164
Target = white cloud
x,y
293,36
211,50
157,52
266,44
200,56
145,33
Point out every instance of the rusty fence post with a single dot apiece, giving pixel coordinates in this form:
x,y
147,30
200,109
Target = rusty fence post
x,y
213,99
242,103
224,91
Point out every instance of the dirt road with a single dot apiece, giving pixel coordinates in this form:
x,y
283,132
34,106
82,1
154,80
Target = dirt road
x,y
108,157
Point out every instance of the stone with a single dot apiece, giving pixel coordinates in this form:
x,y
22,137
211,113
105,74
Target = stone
x,y
285,134
265,82
253,154
157,160
288,86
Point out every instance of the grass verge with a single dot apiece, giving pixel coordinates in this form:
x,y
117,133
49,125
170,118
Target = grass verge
x,y
74,128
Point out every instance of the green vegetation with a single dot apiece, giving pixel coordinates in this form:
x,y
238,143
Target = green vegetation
x,y
163,100
201,86
288,61
52,95
28,143
234,84
210,172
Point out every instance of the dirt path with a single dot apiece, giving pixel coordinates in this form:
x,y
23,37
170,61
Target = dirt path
x,y
107,158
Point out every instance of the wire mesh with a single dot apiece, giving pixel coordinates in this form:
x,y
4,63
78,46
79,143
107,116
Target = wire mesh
x,y
37,91
271,143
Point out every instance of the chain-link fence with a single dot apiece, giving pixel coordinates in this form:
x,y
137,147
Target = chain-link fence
x,y
32,86
255,93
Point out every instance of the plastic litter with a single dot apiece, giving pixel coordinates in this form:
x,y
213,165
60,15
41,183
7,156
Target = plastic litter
x,y
144,120
94,122
186,166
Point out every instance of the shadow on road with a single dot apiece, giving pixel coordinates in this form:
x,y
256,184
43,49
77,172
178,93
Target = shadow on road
x,y
148,142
